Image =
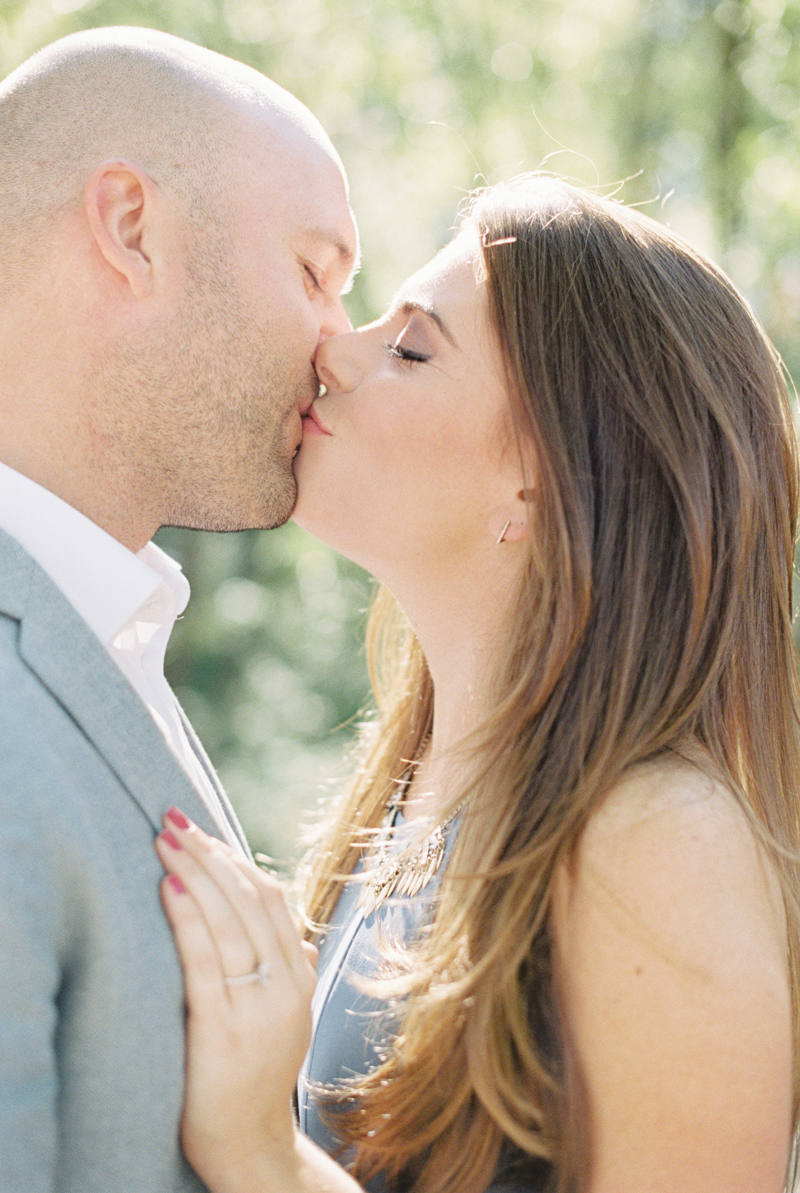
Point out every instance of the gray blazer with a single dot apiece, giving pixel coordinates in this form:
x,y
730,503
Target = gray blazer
x,y
91,998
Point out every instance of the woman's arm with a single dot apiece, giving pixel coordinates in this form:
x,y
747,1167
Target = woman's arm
x,y
245,1040
671,955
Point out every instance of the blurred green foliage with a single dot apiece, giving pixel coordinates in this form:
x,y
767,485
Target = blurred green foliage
x,y
694,105
268,663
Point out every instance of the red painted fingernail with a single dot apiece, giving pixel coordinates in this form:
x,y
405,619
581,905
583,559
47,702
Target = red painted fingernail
x,y
176,884
170,839
177,817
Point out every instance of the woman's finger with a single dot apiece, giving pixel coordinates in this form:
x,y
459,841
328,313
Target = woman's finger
x,y
224,1007
269,893
202,971
240,941
292,944
255,896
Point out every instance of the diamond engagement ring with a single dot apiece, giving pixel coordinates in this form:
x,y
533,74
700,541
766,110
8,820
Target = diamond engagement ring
x,y
260,975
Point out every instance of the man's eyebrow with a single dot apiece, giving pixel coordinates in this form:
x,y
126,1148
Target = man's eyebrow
x,y
425,308
350,259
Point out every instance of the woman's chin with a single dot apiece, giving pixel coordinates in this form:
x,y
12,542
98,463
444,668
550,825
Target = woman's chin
x,y
340,538
302,514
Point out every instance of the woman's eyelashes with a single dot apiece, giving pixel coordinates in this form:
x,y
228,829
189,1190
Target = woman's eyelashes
x,y
408,355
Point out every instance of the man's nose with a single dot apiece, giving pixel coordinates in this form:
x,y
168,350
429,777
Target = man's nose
x,y
335,321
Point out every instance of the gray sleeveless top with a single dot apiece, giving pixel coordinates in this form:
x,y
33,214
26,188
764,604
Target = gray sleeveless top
x,y
351,1029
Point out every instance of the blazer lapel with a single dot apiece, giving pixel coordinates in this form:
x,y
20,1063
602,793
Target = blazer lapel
x,y
207,765
72,663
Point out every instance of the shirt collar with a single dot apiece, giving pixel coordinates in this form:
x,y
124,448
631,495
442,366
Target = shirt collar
x,y
103,581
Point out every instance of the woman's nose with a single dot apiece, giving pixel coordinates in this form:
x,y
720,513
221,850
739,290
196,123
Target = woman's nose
x,y
337,362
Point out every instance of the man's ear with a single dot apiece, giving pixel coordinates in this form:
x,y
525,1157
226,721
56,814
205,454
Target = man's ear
x,y
121,203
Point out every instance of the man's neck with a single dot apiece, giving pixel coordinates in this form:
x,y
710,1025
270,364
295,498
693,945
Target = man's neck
x,y
120,518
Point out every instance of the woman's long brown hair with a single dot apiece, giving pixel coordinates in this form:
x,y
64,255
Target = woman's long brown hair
x,y
655,615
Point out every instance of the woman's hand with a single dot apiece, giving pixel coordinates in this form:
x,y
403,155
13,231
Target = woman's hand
x,y
249,980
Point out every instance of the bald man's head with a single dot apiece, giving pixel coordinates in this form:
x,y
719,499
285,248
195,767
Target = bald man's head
x,y
133,94
175,236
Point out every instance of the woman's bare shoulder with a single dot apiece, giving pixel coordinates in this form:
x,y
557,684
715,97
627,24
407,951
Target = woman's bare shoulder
x,y
672,848
670,952
671,788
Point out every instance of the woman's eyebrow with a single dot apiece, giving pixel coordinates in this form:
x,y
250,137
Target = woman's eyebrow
x,y
425,308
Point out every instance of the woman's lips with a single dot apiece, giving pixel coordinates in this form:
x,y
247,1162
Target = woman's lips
x,y
312,424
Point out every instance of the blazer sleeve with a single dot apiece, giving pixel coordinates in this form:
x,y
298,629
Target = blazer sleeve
x,y
31,949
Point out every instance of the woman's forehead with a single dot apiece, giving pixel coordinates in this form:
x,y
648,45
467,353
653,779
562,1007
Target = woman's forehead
x,y
450,277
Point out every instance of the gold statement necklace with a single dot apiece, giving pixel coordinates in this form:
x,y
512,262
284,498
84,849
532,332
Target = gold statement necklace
x,y
404,871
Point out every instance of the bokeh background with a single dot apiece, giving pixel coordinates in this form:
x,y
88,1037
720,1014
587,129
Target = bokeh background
x,y
690,107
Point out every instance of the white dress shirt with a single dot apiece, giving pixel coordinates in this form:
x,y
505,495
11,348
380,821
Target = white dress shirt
x,y
130,601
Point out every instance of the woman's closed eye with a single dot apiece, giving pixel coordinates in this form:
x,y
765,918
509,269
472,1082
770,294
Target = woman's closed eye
x,y
408,355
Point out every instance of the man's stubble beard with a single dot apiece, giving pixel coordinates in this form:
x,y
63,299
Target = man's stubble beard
x,y
205,412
